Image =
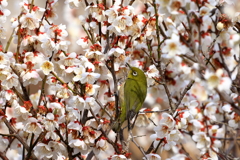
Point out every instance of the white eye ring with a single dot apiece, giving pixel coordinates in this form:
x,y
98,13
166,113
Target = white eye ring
x,y
134,73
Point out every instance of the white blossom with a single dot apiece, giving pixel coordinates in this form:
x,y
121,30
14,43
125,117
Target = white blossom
x,y
33,126
53,150
47,67
202,140
29,21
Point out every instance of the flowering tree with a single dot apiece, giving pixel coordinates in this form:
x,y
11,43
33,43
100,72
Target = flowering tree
x,y
188,49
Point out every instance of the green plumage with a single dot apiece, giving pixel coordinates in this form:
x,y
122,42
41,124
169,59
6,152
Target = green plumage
x,y
132,95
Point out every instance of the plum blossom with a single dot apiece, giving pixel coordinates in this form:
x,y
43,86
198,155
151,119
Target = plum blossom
x,y
89,134
42,150
210,111
4,143
152,71
112,13
57,108
119,53
97,11
30,77
53,150
68,61
152,156
73,114
227,108
218,80
196,125
34,58
95,52
173,47
47,67
178,157
234,121
33,126
78,71
84,22
77,102
143,118
4,73
168,120
75,125
20,111
120,24
28,39
151,74
172,139
174,135
56,30
10,81
29,21
52,135
49,45
203,142
83,42
91,103
118,157
162,130
200,91
4,14
4,59
91,89
79,145
184,118
63,92
89,77
4,3
101,145
73,3
3,33
116,52
50,124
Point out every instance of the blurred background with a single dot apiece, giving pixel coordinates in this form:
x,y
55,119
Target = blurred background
x,y
69,17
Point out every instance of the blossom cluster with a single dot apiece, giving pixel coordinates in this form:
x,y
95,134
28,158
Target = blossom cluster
x,y
57,104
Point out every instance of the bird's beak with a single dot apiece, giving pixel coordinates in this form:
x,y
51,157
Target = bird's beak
x,y
129,66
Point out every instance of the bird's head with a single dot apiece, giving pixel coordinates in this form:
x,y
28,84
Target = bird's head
x,y
136,73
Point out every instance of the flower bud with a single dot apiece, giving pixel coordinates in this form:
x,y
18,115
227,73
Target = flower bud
x,y
220,26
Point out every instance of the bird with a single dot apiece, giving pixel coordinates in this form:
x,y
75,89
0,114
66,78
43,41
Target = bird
x,y
132,94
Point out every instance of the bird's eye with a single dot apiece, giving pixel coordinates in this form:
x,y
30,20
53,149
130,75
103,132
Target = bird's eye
x,y
134,73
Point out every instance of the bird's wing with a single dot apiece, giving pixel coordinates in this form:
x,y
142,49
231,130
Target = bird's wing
x,y
133,96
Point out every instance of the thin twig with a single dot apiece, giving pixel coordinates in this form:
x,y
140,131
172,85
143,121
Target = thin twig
x,y
140,148
18,137
187,88
103,108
